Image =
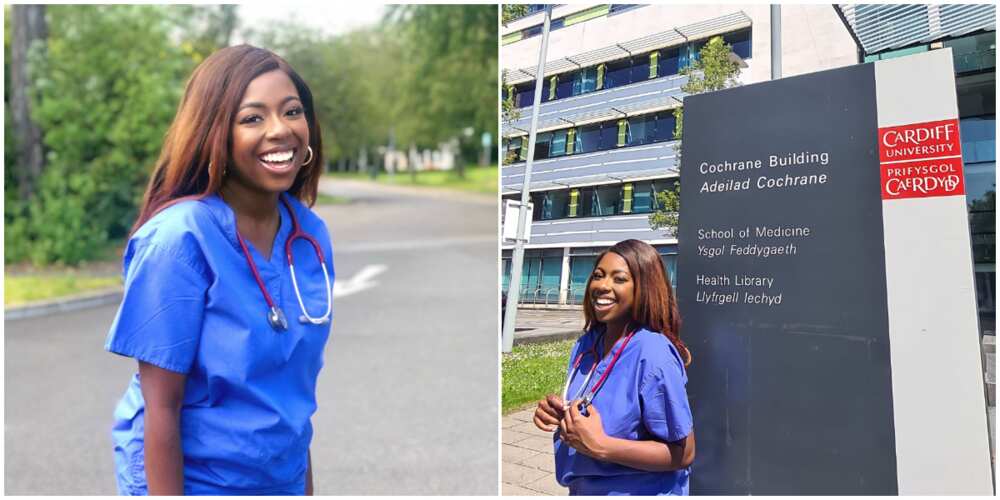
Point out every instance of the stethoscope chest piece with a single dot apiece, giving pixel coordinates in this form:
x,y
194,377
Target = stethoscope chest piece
x,y
277,319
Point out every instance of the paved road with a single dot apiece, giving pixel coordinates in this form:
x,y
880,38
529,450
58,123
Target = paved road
x,y
408,396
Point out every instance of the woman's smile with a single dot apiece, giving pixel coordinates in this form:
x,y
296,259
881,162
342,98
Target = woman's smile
x,y
278,160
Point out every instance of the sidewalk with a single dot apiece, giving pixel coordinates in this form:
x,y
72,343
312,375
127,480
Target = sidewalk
x,y
546,325
527,463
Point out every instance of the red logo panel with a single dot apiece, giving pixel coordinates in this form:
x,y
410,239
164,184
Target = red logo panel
x,y
921,160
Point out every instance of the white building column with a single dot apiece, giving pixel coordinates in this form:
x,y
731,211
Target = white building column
x,y
564,278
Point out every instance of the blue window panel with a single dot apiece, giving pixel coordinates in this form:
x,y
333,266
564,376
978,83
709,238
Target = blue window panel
x,y
551,272
694,50
609,136
979,135
558,23
683,57
532,31
618,73
580,268
585,81
642,197
740,42
525,96
557,203
668,255
505,285
665,123
640,69
564,87
606,200
980,180
558,144
588,139
669,63
542,143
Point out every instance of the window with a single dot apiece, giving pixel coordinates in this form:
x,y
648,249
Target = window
x,y
605,200
564,87
555,204
588,139
525,95
542,144
585,81
668,254
618,73
640,69
558,144
662,62
635,131
669,61
974,53
979,135
740,42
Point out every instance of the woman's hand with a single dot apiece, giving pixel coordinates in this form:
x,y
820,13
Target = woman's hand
x,y
549,413
584,433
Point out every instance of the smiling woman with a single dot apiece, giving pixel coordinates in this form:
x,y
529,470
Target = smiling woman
x,y
623,422
226,385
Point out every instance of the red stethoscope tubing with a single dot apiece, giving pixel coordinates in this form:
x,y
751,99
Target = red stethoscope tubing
x,y
604,376
296,233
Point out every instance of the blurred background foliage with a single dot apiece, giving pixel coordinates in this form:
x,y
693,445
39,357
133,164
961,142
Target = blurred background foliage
x,y
99,84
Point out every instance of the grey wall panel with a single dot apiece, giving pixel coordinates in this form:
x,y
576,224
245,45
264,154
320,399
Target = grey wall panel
x,y
658,159
791,397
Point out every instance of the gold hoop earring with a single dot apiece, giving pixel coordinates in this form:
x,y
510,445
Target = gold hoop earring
x,y
309,149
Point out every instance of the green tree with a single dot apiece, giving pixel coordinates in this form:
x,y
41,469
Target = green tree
x,y
714,69
448,71
106,92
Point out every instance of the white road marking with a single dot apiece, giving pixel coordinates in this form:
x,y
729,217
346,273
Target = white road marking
x,y
360,281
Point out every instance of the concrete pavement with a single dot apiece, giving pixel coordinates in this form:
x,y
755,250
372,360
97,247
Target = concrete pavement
x,y
546,325
528,466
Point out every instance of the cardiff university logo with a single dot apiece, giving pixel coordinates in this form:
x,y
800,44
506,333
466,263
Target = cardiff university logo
x,y
921,160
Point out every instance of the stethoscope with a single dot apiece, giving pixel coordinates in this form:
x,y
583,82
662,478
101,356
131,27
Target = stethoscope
x,y
600,382
274,316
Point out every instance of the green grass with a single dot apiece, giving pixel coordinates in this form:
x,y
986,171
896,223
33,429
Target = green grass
x,y
533,370
325,199
477,179
23,289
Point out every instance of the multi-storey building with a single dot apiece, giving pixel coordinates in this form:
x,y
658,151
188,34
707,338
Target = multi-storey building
x,y
887,31
606,124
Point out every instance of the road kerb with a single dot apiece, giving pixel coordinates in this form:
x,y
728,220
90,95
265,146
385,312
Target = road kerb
x,y
64,304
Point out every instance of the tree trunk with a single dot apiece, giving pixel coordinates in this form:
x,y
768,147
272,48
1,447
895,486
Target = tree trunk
x,y
29,28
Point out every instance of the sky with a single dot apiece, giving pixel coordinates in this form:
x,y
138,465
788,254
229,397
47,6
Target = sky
x,y
331,20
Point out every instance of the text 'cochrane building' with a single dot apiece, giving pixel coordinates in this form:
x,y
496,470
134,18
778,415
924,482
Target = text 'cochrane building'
x,y
605,145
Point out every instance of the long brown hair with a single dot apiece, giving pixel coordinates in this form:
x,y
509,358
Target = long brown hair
x,y
654,306
196,149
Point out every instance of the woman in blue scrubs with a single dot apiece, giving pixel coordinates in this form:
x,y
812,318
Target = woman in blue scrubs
x,y
623,424
228,344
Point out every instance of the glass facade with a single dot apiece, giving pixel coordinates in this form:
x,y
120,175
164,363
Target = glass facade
x,y
974,53
642,129
545,266
540,274
668,61
627,198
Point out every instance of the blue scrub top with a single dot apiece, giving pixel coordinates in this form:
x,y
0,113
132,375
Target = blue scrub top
x,y
192,306
643,398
